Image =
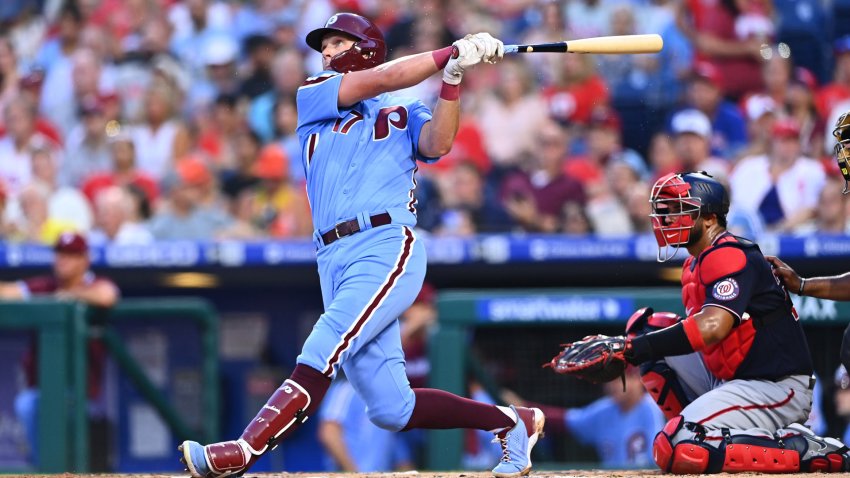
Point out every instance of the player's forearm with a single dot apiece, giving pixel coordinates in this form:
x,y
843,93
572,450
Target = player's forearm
x,y
395,75
832,288
441,133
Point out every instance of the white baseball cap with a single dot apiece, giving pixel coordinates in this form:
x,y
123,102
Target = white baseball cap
x,y
758,106
691,121
220,50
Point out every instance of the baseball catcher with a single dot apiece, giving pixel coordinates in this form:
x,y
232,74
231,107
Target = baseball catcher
x,y
734,377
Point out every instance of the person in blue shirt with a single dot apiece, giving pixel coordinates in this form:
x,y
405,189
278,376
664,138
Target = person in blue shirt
x,y
620,426
351,441
360,146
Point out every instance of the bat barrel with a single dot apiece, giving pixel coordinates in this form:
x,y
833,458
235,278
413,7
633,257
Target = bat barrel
x,y
623,44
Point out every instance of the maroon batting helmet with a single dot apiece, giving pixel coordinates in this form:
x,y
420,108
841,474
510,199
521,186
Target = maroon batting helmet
x,y
370,49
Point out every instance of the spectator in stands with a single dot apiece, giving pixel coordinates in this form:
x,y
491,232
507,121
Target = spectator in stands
x,y
195,24
285,120
552,27
65,204
711,26
72,279
123,171
163,137
627,76
117,220
221,75
240,176
839,89
260,50
510,116
468,206
831,212
218,132
34,222
65,84
621,426
401,36
801,106
17,145
9,76
776,72
288,74
184,216
577,91
87,146
574,219
242,209
691,140
351,441
604,146
5,226
281,207
781,188
535,195
761,112
705,93
589,18
662,155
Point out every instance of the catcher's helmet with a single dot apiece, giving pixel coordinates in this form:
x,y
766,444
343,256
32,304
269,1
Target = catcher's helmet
x,y
370,49
842,147
677,202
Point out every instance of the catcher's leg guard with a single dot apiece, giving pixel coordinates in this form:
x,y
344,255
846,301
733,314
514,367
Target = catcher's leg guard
x,y
685,452
663,386
283,413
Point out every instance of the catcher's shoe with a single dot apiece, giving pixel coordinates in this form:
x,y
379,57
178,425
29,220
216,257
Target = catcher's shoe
x,y
823,454
218,460
518,441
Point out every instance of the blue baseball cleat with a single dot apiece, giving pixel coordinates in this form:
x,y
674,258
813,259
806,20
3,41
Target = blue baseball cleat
x,y
518,441
217,460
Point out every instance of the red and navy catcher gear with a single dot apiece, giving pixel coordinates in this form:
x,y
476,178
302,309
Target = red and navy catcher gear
x,y
369,49
678,200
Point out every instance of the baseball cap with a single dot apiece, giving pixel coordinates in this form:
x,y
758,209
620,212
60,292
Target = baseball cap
x,y
842,378
707,72
805,77
786,128
272,163
757,106
691,121
71,243
220,50
193,171
605,118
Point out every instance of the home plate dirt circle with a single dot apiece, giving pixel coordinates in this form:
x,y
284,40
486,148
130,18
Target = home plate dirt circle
x,y
424,474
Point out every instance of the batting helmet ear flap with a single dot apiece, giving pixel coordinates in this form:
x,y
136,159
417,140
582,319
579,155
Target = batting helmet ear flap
x,y
369,50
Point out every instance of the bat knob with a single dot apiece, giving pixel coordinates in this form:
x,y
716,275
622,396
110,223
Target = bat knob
x,y
455,52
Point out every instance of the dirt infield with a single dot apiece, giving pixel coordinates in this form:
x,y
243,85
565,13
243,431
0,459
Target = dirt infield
x,y
413,474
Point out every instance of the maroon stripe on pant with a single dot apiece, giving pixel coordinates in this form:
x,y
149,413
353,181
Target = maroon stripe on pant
x,y
735,408
370,309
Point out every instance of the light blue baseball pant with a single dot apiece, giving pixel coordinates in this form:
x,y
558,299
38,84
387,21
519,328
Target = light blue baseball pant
x,y
368,279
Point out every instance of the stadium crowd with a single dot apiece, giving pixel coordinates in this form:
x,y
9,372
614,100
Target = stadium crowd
x,y
134,121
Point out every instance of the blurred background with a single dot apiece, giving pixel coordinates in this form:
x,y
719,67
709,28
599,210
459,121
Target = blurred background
x,y
148,154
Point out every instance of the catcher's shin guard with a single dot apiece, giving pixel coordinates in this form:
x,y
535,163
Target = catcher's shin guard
x,y
662,384
685,456
283,413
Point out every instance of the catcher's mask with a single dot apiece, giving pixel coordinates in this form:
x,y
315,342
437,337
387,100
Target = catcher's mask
x,y
369,49
842,148
677,202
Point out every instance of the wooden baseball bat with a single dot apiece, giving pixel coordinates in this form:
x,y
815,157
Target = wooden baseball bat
x,y
650,43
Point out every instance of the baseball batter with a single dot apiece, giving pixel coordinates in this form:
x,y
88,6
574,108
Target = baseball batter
x,y
747,410
360,148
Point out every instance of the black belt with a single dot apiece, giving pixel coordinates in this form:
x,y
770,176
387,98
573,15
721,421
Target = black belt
x,y
347,228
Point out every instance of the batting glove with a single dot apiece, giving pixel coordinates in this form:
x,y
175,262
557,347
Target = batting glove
x,y
469,54
493,48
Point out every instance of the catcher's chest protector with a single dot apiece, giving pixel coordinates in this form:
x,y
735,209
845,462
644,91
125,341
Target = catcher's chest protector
x,y
723,358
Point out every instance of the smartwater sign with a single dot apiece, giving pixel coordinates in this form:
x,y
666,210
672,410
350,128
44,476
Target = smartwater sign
x,y
553,309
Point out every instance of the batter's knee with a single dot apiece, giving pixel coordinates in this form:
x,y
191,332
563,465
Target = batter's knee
x,y
392,420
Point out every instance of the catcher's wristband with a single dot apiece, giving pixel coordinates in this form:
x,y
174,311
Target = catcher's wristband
x,y
656,345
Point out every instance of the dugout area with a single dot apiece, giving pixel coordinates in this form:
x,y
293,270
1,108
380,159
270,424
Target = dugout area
x,y
503,338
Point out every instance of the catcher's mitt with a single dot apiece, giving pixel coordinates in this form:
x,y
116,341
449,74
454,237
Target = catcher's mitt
x,y
596,358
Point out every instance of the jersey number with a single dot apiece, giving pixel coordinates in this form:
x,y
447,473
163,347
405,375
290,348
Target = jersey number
x,y
383,122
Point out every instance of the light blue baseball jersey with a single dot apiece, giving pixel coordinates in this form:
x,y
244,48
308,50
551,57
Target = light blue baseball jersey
x,y
359,160
622,439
